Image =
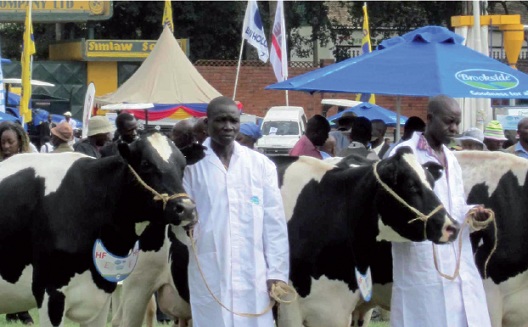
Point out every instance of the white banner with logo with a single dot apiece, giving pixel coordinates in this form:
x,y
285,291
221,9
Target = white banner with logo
x,y
88,107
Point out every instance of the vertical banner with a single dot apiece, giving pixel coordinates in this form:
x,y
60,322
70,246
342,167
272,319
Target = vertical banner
x,y
167,16
253,30
87,110
26,62
279,55
366,47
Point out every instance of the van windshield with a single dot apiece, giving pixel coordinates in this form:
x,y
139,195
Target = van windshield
x,y
280,128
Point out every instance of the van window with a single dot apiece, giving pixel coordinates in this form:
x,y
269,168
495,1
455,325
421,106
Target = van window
x,y
280,128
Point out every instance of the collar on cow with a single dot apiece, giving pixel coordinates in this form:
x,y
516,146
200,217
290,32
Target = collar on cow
x,y
419,215
157,196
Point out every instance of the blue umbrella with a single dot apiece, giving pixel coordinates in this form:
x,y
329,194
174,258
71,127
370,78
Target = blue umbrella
x,y
372,112
6,117
426,62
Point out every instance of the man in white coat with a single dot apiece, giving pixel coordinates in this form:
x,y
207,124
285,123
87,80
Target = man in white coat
x,y
421,297
241,235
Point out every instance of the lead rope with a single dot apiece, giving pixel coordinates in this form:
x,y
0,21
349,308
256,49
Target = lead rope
x,y
277,293
419,215
157,196
474,224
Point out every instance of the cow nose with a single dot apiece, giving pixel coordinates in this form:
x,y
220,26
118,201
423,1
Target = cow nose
x,y
449,230
186,211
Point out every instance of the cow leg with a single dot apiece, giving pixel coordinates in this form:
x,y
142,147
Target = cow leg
x,y
495,303
51,313
151,312
171,303
152,271
289,315
101,319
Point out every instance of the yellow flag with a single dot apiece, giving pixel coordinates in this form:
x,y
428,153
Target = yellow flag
x,y
167,16
27,52
366,47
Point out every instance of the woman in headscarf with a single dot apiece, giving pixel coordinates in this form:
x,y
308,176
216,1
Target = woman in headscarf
x,y
249,135
14,140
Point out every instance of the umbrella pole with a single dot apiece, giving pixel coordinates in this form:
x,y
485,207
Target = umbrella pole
x,y
398,114
287,102
146,119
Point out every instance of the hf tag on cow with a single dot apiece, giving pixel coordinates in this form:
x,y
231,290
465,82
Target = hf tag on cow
x,y
111,267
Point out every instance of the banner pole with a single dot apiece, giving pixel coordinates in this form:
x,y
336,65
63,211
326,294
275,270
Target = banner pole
x,y
238,68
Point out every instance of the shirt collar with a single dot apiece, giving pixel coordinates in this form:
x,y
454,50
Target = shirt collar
x,y
519,148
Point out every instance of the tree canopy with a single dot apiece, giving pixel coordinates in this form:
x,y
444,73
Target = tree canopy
x,y
214,27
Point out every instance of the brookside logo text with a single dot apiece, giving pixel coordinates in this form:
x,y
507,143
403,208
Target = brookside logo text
x,y
487,79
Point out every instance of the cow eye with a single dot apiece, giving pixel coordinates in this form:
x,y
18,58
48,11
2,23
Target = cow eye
x,y
145,164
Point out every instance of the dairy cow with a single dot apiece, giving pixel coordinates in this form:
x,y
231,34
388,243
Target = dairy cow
x,y
335,215
498,181
56,210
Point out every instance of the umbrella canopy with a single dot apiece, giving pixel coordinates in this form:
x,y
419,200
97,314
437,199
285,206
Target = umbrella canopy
x,y
7,117
372,112
425,62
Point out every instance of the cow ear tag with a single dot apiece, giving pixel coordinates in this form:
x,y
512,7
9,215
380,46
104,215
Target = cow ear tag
x,y
365,284
111,267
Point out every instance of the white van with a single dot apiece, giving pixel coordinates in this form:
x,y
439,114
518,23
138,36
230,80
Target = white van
x,y
281,128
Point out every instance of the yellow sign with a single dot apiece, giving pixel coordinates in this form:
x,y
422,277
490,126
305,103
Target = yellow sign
x,y
56,10
119,49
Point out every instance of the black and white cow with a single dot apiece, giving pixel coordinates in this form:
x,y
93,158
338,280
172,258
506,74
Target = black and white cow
x,y
335,216
498,181
53,209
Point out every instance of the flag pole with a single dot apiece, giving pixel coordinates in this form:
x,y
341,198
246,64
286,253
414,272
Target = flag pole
x,y
238,68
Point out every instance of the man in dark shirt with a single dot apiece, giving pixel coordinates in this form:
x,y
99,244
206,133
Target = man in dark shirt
x,y
127,132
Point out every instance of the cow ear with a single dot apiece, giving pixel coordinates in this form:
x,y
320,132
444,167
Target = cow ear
x,y
434,169
124,150
403,150
193,153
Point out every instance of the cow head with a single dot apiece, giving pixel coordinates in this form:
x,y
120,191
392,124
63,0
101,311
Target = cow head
x,y
157,172
410,210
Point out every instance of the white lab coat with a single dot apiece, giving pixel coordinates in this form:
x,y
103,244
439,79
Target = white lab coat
x,y
241,237
420,296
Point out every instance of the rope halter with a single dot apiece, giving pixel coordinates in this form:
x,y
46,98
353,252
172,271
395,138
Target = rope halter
x,y
164,197
419,215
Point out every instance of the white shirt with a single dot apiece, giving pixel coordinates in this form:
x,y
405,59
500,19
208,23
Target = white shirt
x,y
241,237
420,296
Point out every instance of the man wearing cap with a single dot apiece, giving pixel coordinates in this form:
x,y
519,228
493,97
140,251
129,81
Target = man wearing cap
x,y
494,136
99,134
61,135
248,135
472,139
67,118
520,148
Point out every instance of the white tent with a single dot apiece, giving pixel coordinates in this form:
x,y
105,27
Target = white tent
x,y
165,77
